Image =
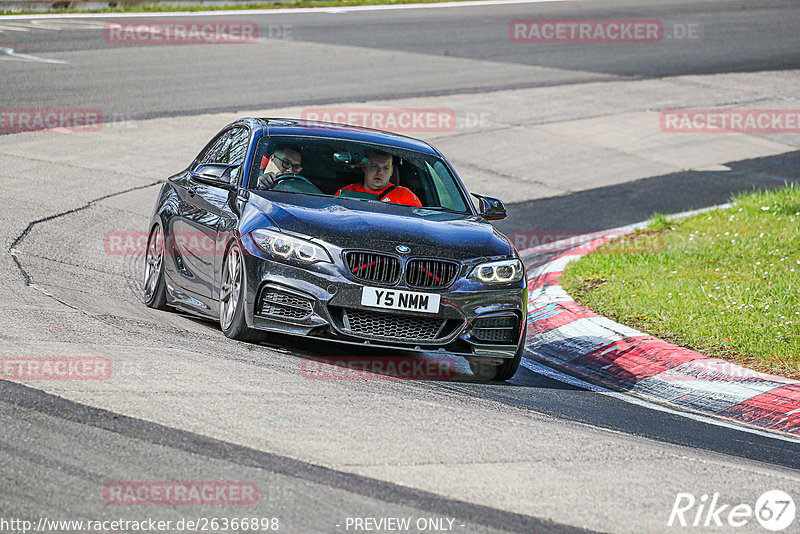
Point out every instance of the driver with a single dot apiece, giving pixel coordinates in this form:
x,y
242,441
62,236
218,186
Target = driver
x,y
377,173
285,159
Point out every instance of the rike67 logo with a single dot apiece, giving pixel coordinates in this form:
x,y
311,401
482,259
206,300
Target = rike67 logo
x,y
774,510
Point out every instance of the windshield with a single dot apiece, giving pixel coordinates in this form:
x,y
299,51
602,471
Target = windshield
x,y
334,167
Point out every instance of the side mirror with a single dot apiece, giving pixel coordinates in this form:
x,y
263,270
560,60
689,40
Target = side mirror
x,y
491,209
215,174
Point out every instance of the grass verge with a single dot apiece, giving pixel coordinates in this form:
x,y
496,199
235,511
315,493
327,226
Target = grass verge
x,y
158,8
724,283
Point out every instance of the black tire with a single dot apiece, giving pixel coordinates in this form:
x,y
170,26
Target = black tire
x,y
507,369
154,291
504,371
231,299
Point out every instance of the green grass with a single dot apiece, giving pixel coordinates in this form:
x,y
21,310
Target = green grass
x,y
157,8
724,283
658,222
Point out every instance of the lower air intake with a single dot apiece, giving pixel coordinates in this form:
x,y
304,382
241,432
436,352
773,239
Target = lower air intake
x,y
285,306
502,329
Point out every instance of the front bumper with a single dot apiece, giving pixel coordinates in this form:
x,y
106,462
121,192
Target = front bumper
x,y
322,302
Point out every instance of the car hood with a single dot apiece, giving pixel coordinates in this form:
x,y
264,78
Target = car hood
x,y
380,226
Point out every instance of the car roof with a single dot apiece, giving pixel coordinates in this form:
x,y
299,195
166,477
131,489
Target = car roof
x,y
281,126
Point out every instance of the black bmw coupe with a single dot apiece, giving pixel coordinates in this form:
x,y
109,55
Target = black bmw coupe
x,y
278,226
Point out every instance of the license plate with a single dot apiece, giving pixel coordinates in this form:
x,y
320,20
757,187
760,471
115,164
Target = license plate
x,y
394,299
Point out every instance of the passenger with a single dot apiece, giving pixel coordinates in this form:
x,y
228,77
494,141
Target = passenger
x,y
377,174
285,159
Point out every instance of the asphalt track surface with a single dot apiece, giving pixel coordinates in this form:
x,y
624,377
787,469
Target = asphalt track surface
x,y
56,454
152,81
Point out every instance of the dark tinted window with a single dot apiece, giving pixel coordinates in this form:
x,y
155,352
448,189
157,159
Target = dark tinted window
x,y
230,147
234,149
212,152
330,164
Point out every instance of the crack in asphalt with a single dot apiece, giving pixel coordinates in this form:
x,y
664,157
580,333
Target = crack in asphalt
x,y
12,249
16,242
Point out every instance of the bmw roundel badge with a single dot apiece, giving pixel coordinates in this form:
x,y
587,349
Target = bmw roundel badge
x,y
402,249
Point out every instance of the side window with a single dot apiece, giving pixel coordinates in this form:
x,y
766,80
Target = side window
x,y
262,150
211,154
230,147
235,149
446,188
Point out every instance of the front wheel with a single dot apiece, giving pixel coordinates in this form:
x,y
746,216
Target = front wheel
x,y
154,291
507,369
504,371
232,301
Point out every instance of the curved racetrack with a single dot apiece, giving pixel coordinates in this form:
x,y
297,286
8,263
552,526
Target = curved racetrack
x,y
568,136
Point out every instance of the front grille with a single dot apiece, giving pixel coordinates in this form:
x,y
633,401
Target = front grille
x,y
501,329
372,267
430,273
388,325
284,305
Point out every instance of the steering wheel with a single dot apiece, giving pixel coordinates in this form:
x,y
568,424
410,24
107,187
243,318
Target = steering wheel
x,y
291,177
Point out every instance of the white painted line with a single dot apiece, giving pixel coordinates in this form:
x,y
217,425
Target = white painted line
x,y
11,55
549,372
328,10
541,296
14,27
713,396
714,369
555,266
598,330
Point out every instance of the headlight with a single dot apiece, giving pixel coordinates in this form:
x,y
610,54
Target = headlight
x,y
499,272
283,247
